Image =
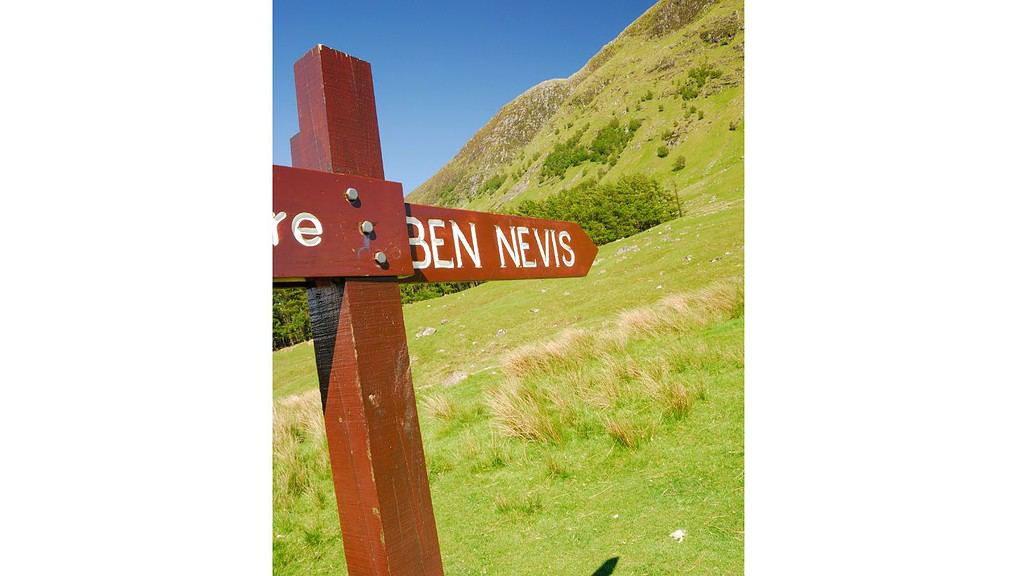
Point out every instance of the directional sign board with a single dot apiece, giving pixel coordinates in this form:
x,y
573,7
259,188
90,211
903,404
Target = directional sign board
x,y
451,245
336,225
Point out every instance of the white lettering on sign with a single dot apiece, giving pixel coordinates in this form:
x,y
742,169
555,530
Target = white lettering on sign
x,y
563,239
301,232
277,221
523,247
513,252
459,237
418,240
545,252
304,235
436,242
517,246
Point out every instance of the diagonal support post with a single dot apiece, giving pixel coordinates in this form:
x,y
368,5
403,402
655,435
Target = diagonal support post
x,y
373,433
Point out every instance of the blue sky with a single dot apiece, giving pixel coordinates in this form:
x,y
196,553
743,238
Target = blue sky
x,y
440,69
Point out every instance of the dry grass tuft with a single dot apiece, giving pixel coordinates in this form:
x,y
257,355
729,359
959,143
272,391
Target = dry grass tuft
x,y
679,312
440,407
298,422
518,413
561,399
570,347
296,419
627,431
555,467
678,396
639,321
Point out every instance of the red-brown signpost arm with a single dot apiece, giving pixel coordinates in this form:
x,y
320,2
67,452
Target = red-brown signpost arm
x,y
373,432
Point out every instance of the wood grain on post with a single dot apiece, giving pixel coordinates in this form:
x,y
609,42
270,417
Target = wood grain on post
x,y
373,433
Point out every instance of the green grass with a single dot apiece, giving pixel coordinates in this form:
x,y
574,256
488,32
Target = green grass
x,y
637,400
510,506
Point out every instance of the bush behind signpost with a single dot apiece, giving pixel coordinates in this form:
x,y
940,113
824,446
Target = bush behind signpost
x,y
607,212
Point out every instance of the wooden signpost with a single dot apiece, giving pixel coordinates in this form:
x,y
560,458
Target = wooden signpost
x,y
347,235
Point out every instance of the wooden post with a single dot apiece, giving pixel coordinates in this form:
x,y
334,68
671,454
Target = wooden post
x,y
373,433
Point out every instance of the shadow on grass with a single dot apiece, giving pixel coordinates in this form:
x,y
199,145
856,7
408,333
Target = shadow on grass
x,y
607,568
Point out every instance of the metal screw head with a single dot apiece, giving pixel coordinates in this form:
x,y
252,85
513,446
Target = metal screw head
x,y
366,226
352,194
381,258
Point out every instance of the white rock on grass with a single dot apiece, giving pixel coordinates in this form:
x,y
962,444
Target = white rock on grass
x,y
426,331
678,535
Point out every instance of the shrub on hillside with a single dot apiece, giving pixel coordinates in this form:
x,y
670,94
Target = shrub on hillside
x,y
447,195
701,74
611,211
611,140
696,78
680,163
687,91
608,143
290,317
662,151
492,184
564,156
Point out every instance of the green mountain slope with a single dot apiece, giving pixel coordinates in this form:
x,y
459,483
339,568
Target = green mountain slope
x,y
649,74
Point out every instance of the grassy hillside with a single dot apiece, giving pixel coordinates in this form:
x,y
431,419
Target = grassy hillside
x,y
567,422
649,75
